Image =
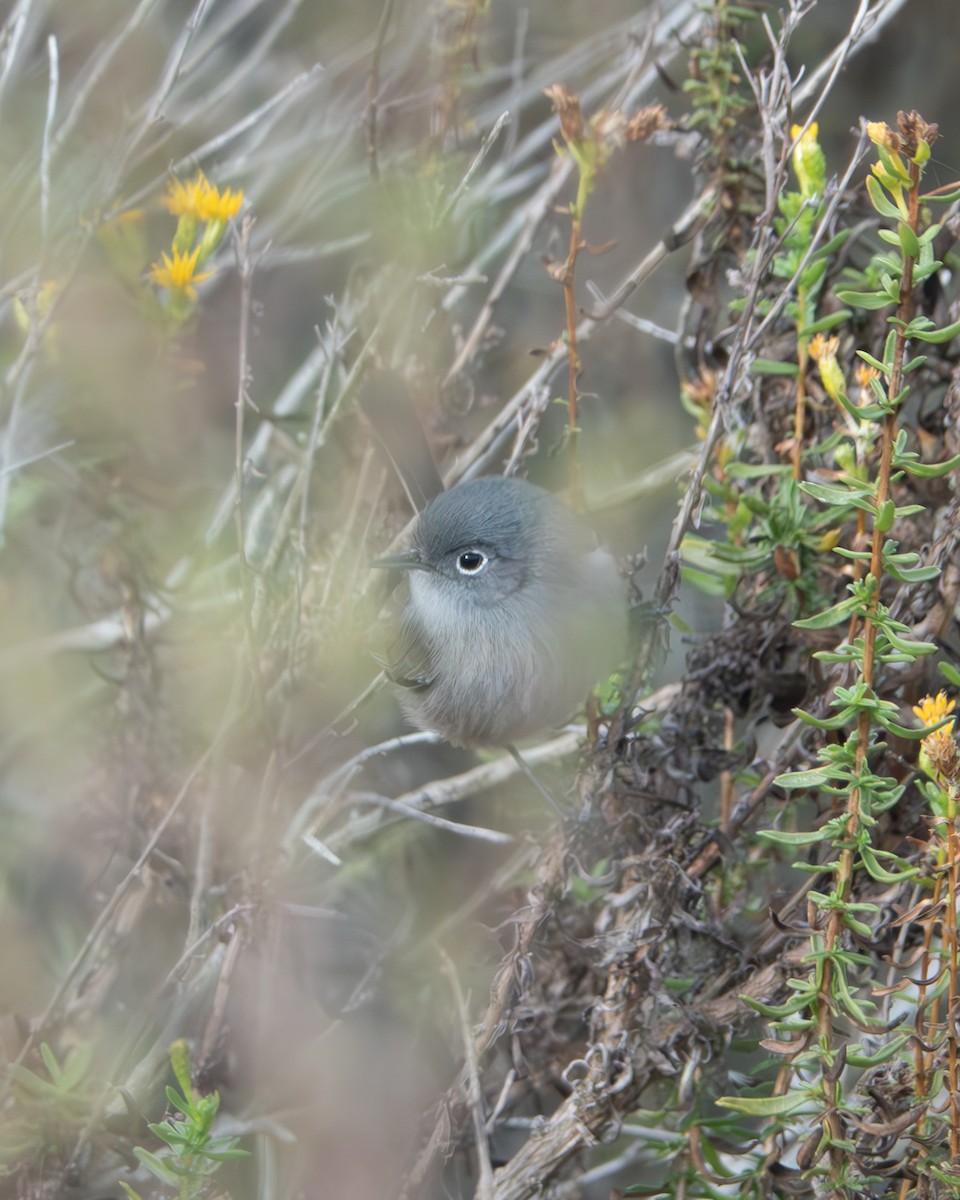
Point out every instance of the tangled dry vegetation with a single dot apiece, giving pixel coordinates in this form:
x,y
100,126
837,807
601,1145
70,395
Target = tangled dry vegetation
x,y
258,941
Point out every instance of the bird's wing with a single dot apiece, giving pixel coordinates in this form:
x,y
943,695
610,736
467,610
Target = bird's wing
x,y
406,661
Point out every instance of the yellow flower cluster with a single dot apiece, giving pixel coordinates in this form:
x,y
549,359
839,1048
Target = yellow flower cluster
x,y
939,755
863,375
809,163
201,199
932,709
179,274
202,211
823,351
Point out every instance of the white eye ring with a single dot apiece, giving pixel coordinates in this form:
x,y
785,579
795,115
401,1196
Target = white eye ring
x,y
471,562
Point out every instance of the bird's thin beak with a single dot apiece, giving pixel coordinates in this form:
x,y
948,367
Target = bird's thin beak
x,y
409,560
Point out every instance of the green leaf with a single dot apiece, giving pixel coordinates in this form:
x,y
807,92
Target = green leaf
x,y
893,166
742,470
907,645
765,1106
720,586
950,673
921,323
870,301
790,1008
178,1102
879,200
904,731
811,277
883,368
828,248
860,1010
794,839
870,859
938,336
826,723
908,241
156,1166
886,516
227,1154
887,263
912,574
862,412
924,271
941,197
856,1057
831,616
50,1062
825,323
842,494
768,366
803,779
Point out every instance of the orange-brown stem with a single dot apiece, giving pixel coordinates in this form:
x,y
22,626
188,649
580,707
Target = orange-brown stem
x,y
950,938
800,410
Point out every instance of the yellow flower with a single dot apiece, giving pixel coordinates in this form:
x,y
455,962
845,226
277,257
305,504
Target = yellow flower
x,y
864,373
201,199
809,136
880,133
828,540
891,172
809,164
178,274
184,199
823,351
933,709
822,348
220,206
939,755
862,376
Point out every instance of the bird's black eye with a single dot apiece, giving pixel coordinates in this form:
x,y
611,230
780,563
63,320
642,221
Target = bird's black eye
x,y
471,562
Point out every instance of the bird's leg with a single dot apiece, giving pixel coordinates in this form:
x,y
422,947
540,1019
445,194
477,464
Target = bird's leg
x,y
532,776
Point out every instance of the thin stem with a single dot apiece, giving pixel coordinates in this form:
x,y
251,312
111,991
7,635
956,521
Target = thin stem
x,y
953,1000
373,89
573,358
245,269
800,406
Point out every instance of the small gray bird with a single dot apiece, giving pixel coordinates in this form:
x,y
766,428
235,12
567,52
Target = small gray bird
x,y
513,612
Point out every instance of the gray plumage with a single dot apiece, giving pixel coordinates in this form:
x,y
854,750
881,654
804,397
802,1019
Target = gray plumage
x,y
513,613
